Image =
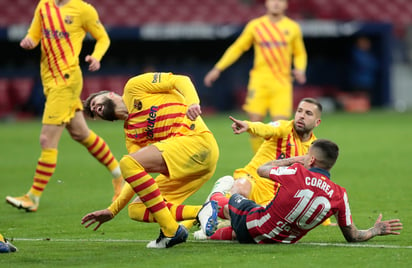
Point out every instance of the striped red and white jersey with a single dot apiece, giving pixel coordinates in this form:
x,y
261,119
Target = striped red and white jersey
x,y
157,105
61,31
304,200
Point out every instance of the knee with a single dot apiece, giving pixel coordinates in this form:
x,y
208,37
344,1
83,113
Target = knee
x,y
126,162
129,166
44,141
241,186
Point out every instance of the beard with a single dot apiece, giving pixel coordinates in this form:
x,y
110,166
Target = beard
x,y
301,130
109,110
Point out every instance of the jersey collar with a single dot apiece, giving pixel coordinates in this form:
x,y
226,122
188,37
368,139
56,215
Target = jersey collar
x,y
321,171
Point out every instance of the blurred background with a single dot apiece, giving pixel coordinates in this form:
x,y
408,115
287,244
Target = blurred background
x,y
189,36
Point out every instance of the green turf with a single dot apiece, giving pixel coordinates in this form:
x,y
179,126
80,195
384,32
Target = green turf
x,y
374,166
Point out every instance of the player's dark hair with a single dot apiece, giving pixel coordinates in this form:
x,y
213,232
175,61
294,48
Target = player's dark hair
x,y
327,153
86,104
313,101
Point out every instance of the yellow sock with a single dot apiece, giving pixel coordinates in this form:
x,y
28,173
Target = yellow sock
x,y
139,212
145,186
188,224
255,141
101,151
184,212
45,168
326,222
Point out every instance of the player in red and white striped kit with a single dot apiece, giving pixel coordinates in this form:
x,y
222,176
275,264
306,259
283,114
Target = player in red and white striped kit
x,y
305,199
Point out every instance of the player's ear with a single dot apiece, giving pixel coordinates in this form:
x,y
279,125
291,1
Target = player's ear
x,y
312,161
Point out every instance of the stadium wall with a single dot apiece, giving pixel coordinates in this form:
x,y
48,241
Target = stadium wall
x,y
193,49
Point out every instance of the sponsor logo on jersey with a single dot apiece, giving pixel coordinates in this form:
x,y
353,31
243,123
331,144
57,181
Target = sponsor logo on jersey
x,y
151,120
49,34
272,44
283,171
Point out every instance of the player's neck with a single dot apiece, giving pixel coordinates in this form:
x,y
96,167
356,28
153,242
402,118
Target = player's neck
x,y
122,114
305,136
275,17
121,109
61,3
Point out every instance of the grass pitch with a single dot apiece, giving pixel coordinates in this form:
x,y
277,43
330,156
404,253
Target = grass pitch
x,y
374,166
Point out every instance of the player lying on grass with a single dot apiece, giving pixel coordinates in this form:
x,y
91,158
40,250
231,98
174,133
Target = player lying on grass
x,y
283,139
166,135
306,197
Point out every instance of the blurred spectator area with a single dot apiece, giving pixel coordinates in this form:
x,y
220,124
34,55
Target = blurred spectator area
x,y
14,94
19,98
139,12
131,56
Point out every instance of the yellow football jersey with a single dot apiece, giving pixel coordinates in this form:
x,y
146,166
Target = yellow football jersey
x,y
154,117
61,30
275,45
281,141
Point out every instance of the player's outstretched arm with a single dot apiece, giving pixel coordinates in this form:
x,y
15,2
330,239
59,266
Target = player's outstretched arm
x,y
264,170
100,216
389,227
238,126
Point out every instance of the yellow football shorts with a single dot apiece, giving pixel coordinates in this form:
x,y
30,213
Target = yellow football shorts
x,y
266,94
63,100
262,191
191,161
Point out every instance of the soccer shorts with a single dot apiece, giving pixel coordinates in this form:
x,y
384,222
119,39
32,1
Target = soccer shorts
x,y
262,190
266,94
63,100
191,161
239,208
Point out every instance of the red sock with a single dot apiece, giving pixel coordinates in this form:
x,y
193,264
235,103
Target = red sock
x,y
222,201
224,233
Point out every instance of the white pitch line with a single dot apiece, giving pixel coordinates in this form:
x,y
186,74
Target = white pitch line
x,y
348,245
354,245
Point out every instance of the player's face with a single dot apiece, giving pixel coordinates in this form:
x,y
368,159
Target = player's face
x,y
103,106
307,117
276,7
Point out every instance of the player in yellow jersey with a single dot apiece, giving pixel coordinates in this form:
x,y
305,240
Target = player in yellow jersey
x,y
60,27
284,140
164,134
278,47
